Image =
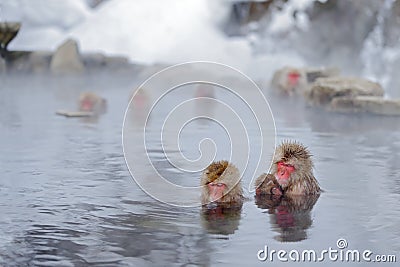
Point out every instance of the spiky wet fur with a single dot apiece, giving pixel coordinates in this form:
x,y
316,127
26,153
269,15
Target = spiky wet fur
x,y
302,180
222,172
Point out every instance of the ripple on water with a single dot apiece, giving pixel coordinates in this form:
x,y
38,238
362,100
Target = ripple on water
x,y
67,198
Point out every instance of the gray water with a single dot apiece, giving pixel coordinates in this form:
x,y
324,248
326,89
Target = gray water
x,y
67,198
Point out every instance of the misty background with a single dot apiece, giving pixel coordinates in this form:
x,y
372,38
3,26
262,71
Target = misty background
x,y
358,37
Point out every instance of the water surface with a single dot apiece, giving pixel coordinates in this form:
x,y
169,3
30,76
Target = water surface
x,y
67,198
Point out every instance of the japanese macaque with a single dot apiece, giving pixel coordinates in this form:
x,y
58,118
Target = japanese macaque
x,y
139,107
91,102
295,81
140,98
270,186
221,185
292,173
289,81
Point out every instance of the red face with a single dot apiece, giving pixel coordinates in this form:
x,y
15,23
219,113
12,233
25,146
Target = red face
x,y
283,173
293,78
216,191
86,105
140,100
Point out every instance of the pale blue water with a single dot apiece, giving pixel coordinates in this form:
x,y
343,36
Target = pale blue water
x,y
67,199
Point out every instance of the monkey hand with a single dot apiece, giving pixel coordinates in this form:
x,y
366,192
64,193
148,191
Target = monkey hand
x,y
276,191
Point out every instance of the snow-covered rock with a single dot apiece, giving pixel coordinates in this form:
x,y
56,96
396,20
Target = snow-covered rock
x,y
370,104
44,23
324,90
145,31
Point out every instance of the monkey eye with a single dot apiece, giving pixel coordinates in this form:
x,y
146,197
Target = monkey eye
x,y
216,184
281,163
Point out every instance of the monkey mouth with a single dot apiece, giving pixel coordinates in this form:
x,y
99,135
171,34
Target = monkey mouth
x,y
216,191
283,184
282,181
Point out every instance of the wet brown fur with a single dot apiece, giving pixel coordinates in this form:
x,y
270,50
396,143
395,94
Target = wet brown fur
x,y
99,104
215,170
267,182
301,181
226,173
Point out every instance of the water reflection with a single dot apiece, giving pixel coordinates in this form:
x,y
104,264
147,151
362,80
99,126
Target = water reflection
x,y
290,216
348,124
221,220
295,112
155,238
139,107
148,238
67,198
205,104
49,244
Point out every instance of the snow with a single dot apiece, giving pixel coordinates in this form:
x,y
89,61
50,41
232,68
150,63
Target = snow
x,y
155,31
44,22
158,30
145,31
284,20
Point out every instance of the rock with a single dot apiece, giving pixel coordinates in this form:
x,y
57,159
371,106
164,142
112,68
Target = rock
x,y
66,59
116,61
94,60
8,31
243,13
323,90
39,61
97,60
342,44
369,104
17,61
312,74
3,66
295,81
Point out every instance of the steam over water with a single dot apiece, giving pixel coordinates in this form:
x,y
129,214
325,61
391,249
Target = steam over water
x,y
67,197
360,38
